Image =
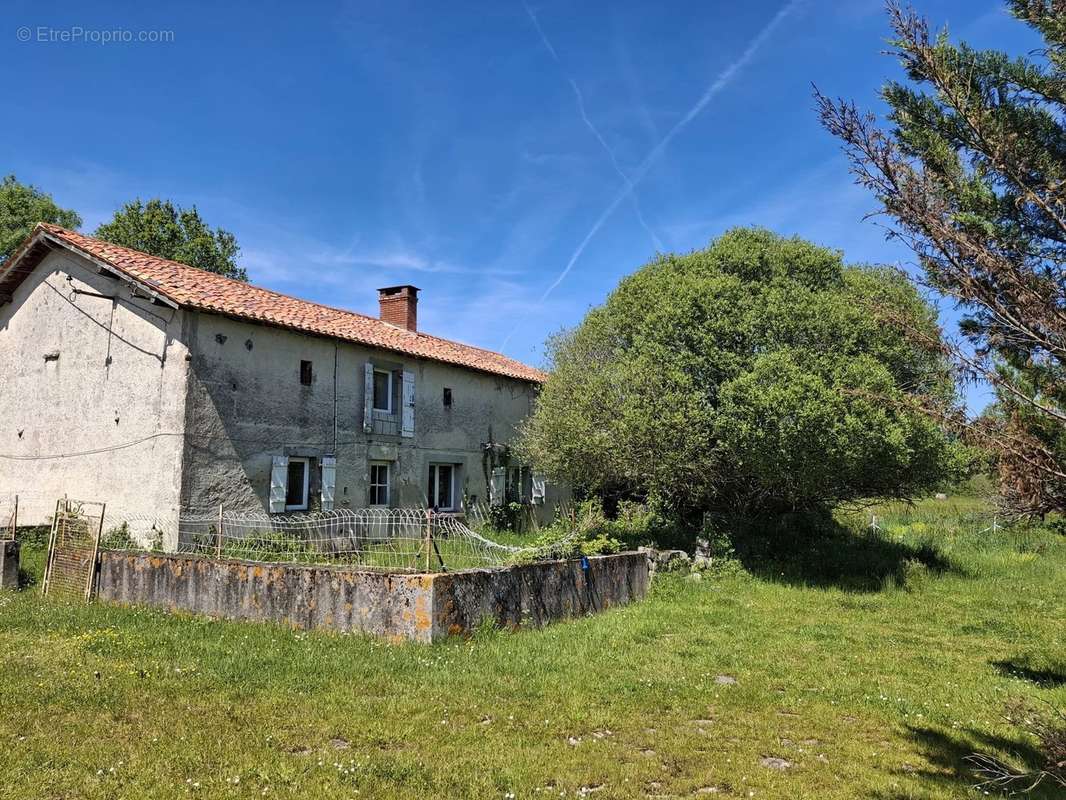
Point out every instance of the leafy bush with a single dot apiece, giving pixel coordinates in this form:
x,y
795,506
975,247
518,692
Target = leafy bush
x,y
752,374
118,538
504,517
584,531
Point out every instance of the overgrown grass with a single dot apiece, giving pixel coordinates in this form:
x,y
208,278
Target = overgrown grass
x,y
865,688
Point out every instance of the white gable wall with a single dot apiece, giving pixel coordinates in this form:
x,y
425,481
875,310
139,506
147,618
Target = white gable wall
x,y
86,373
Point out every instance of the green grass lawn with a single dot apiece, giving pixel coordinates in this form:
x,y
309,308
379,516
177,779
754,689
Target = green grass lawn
x,y
865,687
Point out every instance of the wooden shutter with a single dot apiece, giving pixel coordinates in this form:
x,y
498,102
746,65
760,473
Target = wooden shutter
x,y
279,481
407,426
368,398
329,481
540,488
498,486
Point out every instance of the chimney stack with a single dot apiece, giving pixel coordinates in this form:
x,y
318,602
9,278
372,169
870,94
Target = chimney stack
x,y
399,306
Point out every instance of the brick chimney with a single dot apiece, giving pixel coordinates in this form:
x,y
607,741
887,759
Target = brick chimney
x,y
399,306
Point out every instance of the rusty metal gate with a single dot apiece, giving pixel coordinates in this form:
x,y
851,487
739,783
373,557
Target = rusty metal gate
x,y
72,549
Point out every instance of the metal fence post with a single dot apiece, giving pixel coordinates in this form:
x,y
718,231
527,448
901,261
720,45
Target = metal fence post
x,y
218,543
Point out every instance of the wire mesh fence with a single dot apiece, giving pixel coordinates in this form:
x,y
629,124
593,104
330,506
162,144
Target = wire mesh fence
x,y
391,540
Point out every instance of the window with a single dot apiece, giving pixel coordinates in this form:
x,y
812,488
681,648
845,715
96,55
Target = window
x,y
305,373
379,484
296,485
382,391
447,397
518,484
441,493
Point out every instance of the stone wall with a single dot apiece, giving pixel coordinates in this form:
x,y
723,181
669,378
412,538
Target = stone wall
x,y
417,607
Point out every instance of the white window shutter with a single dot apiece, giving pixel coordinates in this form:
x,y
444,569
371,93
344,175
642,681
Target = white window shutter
x,y
540,488
407,426
279,479
498,486
329,481
368,398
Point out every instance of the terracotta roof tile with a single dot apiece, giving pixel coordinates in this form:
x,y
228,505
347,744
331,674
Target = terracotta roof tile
x,y
206,291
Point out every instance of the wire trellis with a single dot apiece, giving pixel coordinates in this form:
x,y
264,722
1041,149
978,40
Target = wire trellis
x,y
389,540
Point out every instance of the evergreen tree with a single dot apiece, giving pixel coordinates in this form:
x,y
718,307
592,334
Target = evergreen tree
x,y
972,174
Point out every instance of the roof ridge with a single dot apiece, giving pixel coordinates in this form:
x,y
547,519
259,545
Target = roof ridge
x,y
91,244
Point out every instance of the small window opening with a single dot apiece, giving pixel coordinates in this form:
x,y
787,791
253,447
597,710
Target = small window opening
x,y
447,397
305,373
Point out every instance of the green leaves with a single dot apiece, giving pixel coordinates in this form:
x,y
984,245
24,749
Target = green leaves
x,y
21,208
759,372
161,229
974,178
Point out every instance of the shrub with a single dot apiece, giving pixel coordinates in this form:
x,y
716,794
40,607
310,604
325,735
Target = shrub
x,y
749,375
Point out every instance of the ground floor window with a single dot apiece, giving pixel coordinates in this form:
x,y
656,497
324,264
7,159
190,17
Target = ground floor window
x,y
441,494
379,483
296,485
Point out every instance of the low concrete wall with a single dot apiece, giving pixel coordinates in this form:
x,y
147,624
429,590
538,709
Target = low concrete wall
x,y
9,564
418,607
535,594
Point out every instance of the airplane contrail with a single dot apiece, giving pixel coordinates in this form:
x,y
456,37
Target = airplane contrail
x,y
716,86
595,131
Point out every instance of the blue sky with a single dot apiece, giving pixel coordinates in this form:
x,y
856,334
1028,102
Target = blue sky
x,y
514,161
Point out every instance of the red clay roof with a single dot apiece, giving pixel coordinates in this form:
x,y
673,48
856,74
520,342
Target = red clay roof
x,y
206,291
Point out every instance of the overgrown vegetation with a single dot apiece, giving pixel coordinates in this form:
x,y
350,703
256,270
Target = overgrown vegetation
x,y
746,376
843,689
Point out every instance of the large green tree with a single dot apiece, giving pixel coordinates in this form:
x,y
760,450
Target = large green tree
x,y
971,173
23,206
748,376
160,228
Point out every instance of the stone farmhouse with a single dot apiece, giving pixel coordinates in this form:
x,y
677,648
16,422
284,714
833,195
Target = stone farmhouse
x,y
160,388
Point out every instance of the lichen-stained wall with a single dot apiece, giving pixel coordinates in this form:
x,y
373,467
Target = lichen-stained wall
x,y
247,404
424,607
87,366
395,606
536,594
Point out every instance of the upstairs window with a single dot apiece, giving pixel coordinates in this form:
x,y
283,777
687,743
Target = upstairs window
x,y
305,373
383,391
447,397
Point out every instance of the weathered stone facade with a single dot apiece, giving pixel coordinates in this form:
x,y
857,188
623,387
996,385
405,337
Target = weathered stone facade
x,y
111,396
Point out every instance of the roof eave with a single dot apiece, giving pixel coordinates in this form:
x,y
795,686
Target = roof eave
x,y
111,269
41,235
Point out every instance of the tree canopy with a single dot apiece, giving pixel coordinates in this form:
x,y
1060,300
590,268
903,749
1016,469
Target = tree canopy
x,y
972,175
161,229
749,376
22,207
